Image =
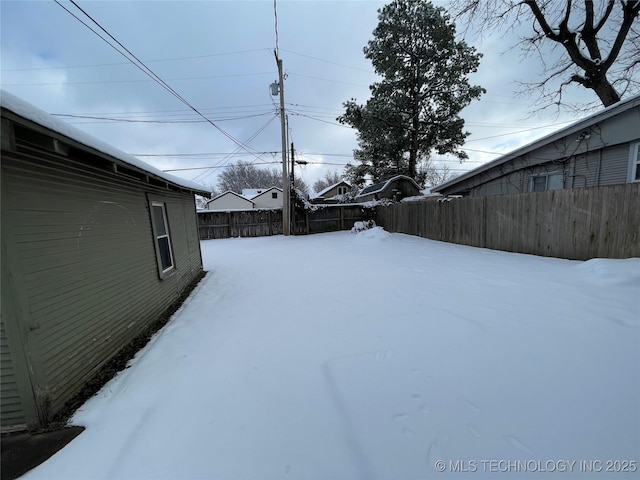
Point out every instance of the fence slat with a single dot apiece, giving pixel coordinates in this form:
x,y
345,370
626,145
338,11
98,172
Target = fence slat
x,y
257,223
574,223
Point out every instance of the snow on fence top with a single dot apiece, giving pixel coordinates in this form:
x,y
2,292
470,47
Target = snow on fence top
x,y
29,112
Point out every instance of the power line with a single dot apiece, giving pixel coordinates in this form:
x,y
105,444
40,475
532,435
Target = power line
x,y
205,154
328,61
104,82
173,112
140,65
133,120
251,138
320,120
275,162
327,79
128,63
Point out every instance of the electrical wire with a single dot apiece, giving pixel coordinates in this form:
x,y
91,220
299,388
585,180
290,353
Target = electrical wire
x,y
140,65
275,162
204,175
328,80
320,120
105,82
128,63
132,120
327,61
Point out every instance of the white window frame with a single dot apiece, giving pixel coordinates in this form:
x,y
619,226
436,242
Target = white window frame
x,y
634,162
158,238
546,176
532,180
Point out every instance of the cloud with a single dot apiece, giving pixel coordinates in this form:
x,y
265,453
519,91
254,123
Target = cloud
x,y
219,57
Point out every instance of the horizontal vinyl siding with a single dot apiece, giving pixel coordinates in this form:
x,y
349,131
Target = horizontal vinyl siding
x,y
615,163
87,259
585,170
11,411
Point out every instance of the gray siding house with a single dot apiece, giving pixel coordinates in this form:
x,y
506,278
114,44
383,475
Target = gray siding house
x,y
602,149
395,188
336,193
95,246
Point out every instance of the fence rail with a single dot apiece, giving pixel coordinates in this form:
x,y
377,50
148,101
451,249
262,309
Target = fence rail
x,y
578,223
259,223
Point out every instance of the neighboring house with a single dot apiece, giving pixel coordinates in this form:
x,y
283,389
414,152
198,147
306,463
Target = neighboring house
x,y
252,192
335,193
96,245
602,149
395,188
230,201
268,198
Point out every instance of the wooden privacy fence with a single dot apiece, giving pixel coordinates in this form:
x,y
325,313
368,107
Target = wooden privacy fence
x,y
239,223
577,224
259,223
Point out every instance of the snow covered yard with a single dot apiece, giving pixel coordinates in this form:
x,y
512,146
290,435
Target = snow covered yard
x,y
342,356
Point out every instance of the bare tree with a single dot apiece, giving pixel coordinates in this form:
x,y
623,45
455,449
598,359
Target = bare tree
x,y
330,178
434,176
241,175
598,43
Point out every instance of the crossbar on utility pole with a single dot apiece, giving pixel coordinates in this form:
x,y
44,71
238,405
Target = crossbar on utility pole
x,y
286,193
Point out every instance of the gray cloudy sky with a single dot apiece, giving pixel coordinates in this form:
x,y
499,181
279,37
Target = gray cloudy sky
x,y
218,55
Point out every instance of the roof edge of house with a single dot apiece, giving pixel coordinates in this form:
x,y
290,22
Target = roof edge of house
x,y
232,192
603,114
32,114
384,185
325,190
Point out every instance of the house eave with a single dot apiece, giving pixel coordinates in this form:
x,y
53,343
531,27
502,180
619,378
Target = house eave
x,y
28,116
622,106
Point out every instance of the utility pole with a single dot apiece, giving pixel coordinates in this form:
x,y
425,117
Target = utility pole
x,y
292,165
291,187
286,202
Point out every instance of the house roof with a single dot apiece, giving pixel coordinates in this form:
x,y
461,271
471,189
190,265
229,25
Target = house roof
x,y
252,192
378,187
33,114
267,190
575,127
331,187
230,192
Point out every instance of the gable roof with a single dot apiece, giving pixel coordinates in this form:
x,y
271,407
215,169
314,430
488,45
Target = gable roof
x,y
378,187
331,187
266,191
230,192
575,127
252,192
33,114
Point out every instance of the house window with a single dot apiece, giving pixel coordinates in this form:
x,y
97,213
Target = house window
x,y
274,195
546,181
634,162
539,183
342,190
161,233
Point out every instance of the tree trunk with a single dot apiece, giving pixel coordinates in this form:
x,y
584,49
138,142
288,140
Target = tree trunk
x,y
605,91
415,124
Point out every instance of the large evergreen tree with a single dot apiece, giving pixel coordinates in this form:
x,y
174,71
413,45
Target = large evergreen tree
x,y
414,108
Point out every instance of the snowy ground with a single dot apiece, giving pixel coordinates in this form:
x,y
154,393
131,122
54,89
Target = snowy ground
x,y
342,356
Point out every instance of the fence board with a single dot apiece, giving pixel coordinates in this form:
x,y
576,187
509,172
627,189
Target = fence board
x,y
574,223
258,223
